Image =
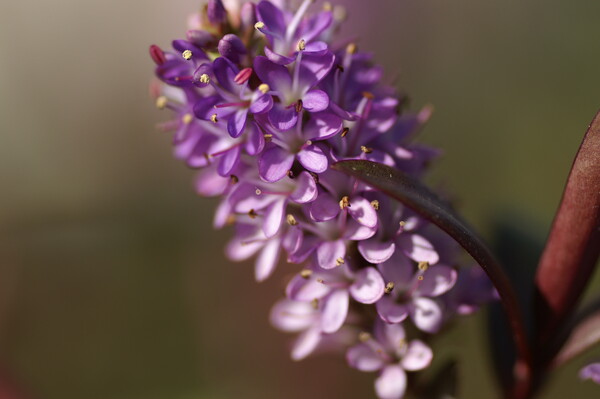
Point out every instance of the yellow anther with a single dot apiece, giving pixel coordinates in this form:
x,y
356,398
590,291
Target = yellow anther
x,y
402,223
364,336
423,266
306,273
213,118
420,278
264,88
339,261
187,54
268,136
315,303
344,202
291,220
204,78
389,287
161,102
259,25
368,95
302,45
351,48
187,118
345,132
309,142
258,191
375,204
365,149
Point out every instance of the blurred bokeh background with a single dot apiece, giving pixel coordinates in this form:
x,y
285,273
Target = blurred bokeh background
x,y
113,283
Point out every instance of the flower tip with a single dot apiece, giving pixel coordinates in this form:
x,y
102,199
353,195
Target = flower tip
x,y
157,55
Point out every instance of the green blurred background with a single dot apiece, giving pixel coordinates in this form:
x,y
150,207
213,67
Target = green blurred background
x,y
113,283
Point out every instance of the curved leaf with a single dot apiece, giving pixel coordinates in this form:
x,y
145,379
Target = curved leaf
x,y
573,244
419,198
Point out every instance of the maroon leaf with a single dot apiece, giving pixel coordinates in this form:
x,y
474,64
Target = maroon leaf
x,y
419,198
573,244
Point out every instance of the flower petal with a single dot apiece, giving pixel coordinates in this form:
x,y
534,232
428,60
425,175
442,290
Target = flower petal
x,y
329,252
398,269
426,314
417,357
335,311
375,251
283,118
315,101
302,289
306,189
362,211
306,343
273,217
363,358
390,311
229,161
267,260
237,122
292,316
368,286
437,280
276,76
256,139
313,158
274,163
323,125
418,248
324,208
391,383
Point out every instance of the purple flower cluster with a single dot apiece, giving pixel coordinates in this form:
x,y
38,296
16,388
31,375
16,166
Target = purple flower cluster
x,y
264,104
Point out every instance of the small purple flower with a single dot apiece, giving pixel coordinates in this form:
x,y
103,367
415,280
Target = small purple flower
x,y
389,352
591,372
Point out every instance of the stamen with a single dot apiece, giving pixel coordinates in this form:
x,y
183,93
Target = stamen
x,y
351,48
423,266
161,102
204,78
230,220
339,261
402,223
252,213
306,273
264,88
291,220
187,54
268,137
375,204
345,132
214,118
243,76
299,106
290,174
187,118
302,45
365,149
420,278
157,55
258,191
234,179
344,202
364,336
259,25
368,95
327,6
315,303
389,287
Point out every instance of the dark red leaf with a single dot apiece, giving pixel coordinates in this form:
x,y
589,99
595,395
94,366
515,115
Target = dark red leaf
x,y
573,244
